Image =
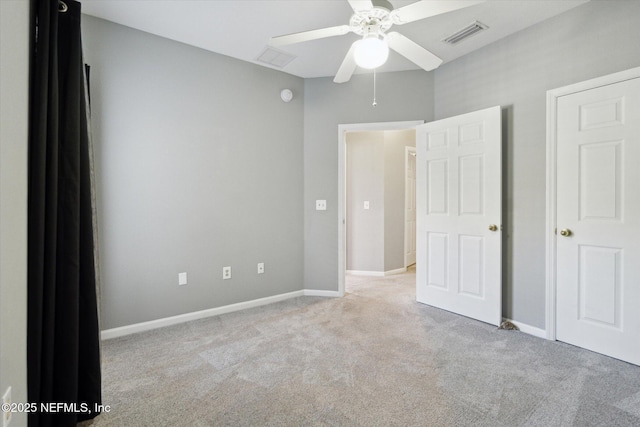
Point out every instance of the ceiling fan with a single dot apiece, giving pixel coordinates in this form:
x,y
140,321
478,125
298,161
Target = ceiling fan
x,y
371,20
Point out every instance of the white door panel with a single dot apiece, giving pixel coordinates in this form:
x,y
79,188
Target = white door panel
x,y
458,187
598,220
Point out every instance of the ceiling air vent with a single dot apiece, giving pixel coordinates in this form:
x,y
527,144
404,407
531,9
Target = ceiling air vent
x,y
465,33
275,57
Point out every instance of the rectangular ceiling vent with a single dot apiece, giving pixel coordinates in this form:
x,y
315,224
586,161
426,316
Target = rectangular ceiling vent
x,y
275,57
465,33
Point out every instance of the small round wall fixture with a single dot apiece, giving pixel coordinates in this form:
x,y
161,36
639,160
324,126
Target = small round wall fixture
x,y
286,95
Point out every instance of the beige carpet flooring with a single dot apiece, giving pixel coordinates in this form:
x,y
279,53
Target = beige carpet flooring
x,y
372,358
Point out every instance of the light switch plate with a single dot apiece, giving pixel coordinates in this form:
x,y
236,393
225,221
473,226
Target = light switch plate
x,y
260,267
182,279
321,205
366,204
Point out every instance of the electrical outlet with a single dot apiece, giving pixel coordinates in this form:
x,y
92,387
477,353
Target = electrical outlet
x,y
6,400
260,267
182,279
321,205
366,204
226,273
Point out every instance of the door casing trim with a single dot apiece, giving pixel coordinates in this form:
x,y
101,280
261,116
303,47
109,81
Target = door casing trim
x,y
407,150
551,187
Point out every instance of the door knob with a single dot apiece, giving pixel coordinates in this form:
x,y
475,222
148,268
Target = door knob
x,y
493,227
565,232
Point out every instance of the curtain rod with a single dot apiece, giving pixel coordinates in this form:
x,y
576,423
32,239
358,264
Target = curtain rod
x,y
62,6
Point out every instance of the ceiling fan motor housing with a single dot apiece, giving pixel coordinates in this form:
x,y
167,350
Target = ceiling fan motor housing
x,y
377,17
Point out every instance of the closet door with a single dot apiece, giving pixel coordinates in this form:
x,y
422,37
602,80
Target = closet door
x,y
598,220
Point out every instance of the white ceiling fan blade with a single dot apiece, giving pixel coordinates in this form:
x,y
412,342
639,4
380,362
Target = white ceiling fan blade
x,y
309,35
347,68
413,51
358,5
425,9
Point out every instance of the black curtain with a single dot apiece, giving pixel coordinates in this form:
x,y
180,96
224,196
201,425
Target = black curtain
x,y
63,346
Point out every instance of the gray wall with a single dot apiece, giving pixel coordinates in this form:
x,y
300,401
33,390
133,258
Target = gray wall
x,y
14,87
401,96
365,176
199,166
595,39
394,194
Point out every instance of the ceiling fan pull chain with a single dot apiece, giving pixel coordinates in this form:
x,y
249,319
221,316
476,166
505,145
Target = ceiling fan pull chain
x,y
374,88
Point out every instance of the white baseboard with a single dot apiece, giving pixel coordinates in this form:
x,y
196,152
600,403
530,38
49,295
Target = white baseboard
x,y
318,293
181,318
528,329
396,271
365,273
376,273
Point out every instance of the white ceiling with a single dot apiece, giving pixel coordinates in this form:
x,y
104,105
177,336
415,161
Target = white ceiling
x,y
242,28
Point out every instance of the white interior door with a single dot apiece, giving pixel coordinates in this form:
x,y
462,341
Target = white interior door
x,y
459,211
598,220
410,208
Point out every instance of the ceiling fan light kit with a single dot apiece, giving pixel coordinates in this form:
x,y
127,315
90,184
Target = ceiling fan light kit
x,y
371,52
371,20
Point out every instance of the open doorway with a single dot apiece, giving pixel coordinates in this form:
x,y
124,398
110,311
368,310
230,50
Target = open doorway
x,y
343,132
